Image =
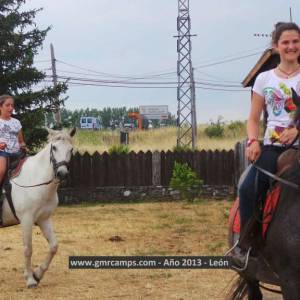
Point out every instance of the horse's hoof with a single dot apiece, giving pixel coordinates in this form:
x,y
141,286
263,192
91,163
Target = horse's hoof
x,y
32,285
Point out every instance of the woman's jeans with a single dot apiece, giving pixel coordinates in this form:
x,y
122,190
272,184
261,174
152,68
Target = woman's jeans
x,y
252,189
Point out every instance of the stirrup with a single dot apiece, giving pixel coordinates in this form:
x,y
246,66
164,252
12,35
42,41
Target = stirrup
x,y
246,262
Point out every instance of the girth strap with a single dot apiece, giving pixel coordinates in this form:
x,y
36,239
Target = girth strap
x,y
7,188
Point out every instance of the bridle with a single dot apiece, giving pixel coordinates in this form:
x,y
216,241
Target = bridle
x,y
55,166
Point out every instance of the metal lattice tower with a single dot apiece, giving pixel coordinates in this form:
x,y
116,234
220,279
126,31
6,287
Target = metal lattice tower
x,y
186,113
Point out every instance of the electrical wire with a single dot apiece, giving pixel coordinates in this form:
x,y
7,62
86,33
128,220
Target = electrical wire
x,y
146,87
227,60
262,48
105,81
155,74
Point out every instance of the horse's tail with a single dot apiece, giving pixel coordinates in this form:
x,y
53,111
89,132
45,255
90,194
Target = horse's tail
x,y
237,290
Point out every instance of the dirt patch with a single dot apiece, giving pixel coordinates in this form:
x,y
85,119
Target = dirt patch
x,y
145,229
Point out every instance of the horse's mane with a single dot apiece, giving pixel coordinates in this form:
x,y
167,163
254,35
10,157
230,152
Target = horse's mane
x,y
56,135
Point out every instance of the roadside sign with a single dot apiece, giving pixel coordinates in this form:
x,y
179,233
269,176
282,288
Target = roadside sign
x,y
154,111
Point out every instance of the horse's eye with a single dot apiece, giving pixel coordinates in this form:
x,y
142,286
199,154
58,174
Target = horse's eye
x,y
54,148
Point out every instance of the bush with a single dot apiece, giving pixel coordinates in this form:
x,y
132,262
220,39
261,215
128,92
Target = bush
x,y
215,129
118,149
236,128
182,148
236,125
185,180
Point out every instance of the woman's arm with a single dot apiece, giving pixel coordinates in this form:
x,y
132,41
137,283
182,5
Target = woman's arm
x,y
257,105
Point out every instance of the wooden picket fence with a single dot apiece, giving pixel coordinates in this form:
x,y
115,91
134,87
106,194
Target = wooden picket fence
x,y
148,169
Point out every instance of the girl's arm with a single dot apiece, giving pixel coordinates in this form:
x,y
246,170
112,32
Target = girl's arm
x,y
21,139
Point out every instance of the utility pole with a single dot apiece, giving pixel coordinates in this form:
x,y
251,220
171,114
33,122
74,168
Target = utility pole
x,y
291,16
186,96
56,110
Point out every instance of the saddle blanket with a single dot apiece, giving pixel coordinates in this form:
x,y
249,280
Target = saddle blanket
x,y
268,211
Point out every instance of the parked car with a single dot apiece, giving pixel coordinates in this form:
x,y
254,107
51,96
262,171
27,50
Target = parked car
x,y
129,126
90,123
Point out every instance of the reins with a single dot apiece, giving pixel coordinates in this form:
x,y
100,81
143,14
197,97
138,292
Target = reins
x,y
278,178
29,186
55,165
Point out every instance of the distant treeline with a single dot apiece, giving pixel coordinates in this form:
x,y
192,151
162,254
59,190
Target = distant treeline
x,y
109,117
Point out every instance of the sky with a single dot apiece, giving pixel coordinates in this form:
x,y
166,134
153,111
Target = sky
x,y
134,38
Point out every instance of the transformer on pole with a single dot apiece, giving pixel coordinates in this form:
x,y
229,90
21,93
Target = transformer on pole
x,y
186,113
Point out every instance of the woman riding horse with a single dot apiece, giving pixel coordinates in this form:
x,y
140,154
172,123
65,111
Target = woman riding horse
x,y
272,90
277,260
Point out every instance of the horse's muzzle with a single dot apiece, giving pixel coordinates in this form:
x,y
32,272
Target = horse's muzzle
x,y
62,174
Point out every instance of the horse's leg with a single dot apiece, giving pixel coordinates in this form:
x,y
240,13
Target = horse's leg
x,y
27,241
47,230
254,292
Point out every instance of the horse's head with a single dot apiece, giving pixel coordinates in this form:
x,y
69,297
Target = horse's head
x,y
61,147
296,100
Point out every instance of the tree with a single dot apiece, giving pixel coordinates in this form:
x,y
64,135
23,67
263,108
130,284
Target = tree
x,y
20,42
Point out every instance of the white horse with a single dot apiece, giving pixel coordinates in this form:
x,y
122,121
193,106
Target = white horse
x,y
34,196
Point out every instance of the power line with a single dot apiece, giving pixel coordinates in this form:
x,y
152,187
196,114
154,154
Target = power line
x,y
124,77
217,79
139,82
200,86
227,60
262,48
153,74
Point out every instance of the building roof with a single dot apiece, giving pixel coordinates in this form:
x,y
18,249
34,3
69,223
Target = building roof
x,y
269,60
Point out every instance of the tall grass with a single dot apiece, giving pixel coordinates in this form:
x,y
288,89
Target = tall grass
x,y
156,139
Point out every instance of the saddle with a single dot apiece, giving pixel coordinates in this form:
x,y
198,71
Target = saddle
x,y
14,166
255,231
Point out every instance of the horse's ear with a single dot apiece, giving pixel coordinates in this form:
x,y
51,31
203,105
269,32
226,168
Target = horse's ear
x,y
296,97
51,131
72,132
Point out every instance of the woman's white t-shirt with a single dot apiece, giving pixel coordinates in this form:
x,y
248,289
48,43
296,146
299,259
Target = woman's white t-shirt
x,y
9,130
278,102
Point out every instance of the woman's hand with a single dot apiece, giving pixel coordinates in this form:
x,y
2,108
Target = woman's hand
x,y
288,135
253,151
2,146
23,148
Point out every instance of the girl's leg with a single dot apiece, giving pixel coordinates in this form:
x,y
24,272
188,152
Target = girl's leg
x,y
3,163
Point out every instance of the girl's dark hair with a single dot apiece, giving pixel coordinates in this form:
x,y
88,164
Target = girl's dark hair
x,y
3,98
280,27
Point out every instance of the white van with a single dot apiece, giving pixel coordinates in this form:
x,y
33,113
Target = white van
x,y
90,123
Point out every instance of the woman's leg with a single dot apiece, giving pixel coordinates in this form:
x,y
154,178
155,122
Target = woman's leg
x,y
252,189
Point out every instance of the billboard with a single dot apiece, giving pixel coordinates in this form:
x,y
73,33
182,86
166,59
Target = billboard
x,y
159,112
